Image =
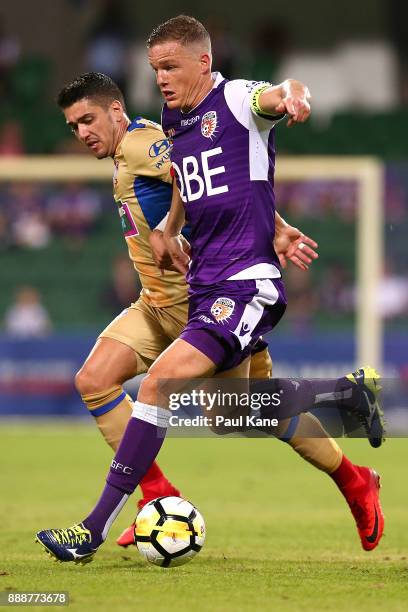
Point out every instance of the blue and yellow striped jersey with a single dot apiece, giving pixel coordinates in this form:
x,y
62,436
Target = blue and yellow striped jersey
x,y
142,190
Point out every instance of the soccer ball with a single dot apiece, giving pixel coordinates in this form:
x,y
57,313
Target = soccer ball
x,y
169,531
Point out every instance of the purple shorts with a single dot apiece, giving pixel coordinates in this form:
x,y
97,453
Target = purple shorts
x,y
226,320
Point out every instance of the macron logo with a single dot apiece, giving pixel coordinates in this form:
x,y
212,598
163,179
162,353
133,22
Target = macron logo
x,y
190,121
244,329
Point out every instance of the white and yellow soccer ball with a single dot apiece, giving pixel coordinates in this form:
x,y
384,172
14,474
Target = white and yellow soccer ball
x,y
169,531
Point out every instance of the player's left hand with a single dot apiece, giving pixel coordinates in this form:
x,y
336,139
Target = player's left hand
x,y
296,106
290,243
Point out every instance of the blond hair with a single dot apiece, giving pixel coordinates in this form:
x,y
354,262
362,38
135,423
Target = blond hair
x,y
183,29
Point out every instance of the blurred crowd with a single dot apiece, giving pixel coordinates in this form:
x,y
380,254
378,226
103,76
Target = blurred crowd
x,y
80,219
26,316
352,77
360,97
31,215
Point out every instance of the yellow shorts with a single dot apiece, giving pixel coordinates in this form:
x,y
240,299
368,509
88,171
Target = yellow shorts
x,y
149,331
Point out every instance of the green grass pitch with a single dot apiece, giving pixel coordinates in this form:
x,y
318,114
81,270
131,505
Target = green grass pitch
x,y
280,536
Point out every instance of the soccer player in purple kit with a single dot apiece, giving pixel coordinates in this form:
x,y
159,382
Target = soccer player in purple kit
x,y
223,158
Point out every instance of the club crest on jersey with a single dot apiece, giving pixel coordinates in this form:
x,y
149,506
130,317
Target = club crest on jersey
x,y
126,218
222,309
209,124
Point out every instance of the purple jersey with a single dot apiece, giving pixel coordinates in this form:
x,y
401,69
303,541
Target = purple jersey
x,y
224,160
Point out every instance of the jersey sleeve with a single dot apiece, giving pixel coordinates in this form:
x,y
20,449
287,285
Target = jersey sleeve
x,y
186,230
242,98
147,153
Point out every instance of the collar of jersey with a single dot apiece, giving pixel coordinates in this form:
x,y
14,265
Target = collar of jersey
x,y
119,146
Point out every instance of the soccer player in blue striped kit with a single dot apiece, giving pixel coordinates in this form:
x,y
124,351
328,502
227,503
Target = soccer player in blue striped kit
x,y
223,159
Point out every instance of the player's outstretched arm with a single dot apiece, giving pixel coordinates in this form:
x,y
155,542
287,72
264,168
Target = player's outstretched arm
x,y
290,97
171,234
290,243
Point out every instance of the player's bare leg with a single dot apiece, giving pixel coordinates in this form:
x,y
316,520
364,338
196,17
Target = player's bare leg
x,y
99,382
181,361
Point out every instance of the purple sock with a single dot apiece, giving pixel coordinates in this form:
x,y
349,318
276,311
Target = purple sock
x,y
138,449
106,510
295,396
340,392
302,394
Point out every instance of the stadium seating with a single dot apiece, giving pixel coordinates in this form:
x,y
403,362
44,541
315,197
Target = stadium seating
x,y
72,287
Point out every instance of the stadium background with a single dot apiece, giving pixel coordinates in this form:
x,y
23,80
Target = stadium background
x,y
278,535
64,264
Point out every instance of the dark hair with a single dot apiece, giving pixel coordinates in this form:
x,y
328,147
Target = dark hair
x,y
95,85
182,28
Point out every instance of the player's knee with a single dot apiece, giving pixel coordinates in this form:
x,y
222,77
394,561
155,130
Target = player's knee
x,y
87,381
155,389
157,384
148,390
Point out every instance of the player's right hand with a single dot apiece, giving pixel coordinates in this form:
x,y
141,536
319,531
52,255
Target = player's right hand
x,y
178,256
160,253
